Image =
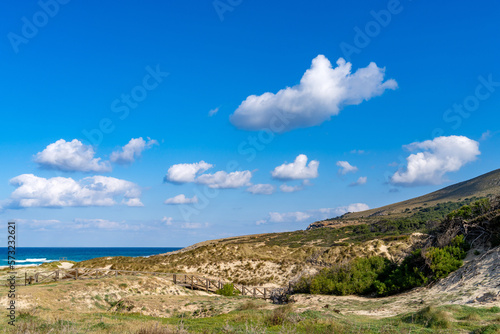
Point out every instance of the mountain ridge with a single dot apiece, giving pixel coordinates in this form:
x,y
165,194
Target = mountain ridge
x,y
481,186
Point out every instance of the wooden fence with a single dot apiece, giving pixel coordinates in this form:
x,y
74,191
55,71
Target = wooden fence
x,y
190,281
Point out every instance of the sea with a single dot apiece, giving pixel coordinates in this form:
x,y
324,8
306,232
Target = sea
x,y
29,256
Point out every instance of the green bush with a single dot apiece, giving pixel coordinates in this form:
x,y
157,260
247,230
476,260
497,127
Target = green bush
x,y
228,290
475,209
447,259
356,277
377,274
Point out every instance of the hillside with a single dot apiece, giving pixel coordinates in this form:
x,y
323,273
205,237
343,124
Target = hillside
x,y
277,258
462,193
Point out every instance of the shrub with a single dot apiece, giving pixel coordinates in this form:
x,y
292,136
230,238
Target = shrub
x,y
279,316
356,277
449,258
379,275
432,317
228,290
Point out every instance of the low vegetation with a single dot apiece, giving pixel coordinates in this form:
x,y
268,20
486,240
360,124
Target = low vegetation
x,y
282,319
379,276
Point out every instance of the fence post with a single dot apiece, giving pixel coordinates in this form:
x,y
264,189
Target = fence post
x,y
36,278
242,290
76,273
192,282
57,275
254,292
175,279
25,277
264,293
207,283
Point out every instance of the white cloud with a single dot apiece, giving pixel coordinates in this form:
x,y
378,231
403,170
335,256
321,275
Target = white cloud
x,y
132,150
276,217
183,173
34,191
299,169
224,180
357,152
486,135
346,167
436,158
71,156
264,189
133,202
38,223
193,226
361,180
323,91
213,111
181,199
290,189
167,220
103,224
312,215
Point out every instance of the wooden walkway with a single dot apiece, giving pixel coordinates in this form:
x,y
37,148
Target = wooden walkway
x,y
190,281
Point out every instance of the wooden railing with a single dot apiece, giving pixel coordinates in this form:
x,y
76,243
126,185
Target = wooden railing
x,y
190,281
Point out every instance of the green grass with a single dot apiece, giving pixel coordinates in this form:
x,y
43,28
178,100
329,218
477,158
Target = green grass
x,y
443,319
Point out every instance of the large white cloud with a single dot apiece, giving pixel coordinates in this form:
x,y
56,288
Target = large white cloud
x,y
71,156
436,158
346,167
184,173
34,191
224,180
263,189
312,215
133,150
323,91
299,169
181,199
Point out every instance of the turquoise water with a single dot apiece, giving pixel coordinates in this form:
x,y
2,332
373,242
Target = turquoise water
x,y
39,255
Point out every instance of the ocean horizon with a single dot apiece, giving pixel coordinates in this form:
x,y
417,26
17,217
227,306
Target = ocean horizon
x,y
29,256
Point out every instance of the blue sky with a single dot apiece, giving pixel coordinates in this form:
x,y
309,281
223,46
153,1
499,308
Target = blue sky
x,y
69,67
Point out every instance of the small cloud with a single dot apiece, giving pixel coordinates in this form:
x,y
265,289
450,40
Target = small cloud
x,y
262,189
167,220
297,170
311,215
290,189
434,158
194,226
133,202
213,112
71,156
486,135
184,173
181,199
224,180
357,152
362,180
346,167
132,150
